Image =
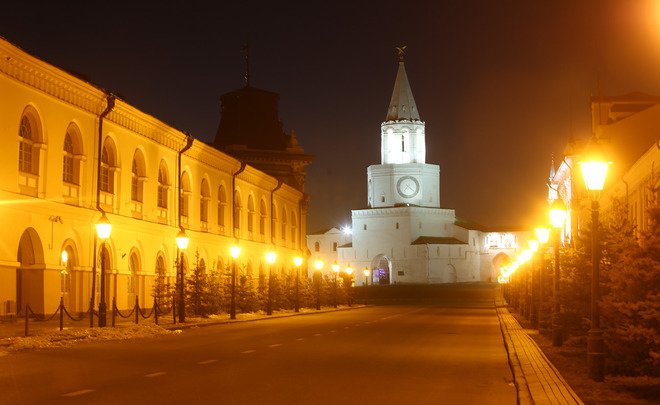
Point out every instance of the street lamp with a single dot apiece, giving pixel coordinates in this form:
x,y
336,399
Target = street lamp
x,y
533,247
103,230
64,272
335,270
542,235
297,262
182,243
349,273
234,252
594,171
557,218
318,265
270,258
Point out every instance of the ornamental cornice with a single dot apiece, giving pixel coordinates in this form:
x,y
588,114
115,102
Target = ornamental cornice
x,y
398,211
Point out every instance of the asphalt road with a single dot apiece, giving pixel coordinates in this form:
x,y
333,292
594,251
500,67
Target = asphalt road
x,y
447,353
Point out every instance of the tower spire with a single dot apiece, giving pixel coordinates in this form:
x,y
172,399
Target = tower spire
x,y
402,104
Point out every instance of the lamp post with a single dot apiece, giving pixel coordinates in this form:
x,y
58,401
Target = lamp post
x,y
557,218
103,230
318,265
349,272
297,262
542,234
594,172
182,243
533,316
335,270
234,251
270,258
64,272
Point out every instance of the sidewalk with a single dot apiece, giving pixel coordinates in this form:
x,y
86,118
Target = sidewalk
x,y
536,379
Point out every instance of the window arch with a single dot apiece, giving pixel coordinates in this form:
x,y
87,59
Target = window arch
x,y
29,133
185,194
108,167
317,247
294,228
283,224
273,222
237,211
137,176
163,185
222,205
205,196
250,213
262,217
72,155
133,279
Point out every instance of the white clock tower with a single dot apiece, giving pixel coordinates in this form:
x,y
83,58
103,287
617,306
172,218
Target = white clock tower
x,y
403,177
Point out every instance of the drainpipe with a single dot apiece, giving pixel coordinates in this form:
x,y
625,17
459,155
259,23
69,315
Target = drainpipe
x,y
189,142
111,104
272,228
233,196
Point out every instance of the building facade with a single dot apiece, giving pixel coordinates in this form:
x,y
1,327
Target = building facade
x,y
72,152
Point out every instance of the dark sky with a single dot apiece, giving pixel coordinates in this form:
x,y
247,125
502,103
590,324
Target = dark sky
x,y
501,85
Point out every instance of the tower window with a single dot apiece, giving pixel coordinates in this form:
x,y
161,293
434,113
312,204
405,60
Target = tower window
x,y
382,198
364,227
397,225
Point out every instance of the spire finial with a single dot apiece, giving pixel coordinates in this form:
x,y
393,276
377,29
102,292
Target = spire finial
x,y
401,50
246,53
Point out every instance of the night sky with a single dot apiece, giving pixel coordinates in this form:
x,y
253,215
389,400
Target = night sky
x,y
501,85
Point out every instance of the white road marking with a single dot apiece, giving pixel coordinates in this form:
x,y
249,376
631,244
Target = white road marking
x,y
275,345
248,351
78,393
156,374
207,361
300,339
333,331
318,334
347,327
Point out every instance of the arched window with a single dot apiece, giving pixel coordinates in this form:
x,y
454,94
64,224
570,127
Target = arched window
x,y
161,288
250,214
237,211
68,165
185,194
205,196
108,164
163,185
294,228
283,223
262,217
222,205
134,267
26,153
317,247
273,222
137,177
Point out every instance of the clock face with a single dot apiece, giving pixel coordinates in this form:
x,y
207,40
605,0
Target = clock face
x,y
407,186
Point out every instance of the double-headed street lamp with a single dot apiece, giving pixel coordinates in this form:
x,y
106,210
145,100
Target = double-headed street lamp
x,y
103,230
318,265
234,252
297,262
270,258
182,241
594,171
557,219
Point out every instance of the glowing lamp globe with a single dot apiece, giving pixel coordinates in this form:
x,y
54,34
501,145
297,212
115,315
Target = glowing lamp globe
x,y
533,245
182,239
335,267
235,251
542,234
297,261
103,227
318,264
594,173
557,214
349,270
271,257
366,272
65,257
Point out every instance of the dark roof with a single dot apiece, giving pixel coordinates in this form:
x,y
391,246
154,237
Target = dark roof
x,y
436,240
349,244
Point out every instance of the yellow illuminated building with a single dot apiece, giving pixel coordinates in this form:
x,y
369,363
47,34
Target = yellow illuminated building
x,y
51,123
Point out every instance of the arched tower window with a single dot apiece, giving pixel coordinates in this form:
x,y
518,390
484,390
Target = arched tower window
x,y
262,217
222,206
250,213
283,224
137,176
185,194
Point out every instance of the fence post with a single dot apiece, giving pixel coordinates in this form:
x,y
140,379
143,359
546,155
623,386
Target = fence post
x,y
61,313
114,308
137,308
155,311
26,319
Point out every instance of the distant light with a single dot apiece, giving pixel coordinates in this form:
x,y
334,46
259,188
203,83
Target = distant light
x,y
347,230
65,257
271,257
235,251
297,261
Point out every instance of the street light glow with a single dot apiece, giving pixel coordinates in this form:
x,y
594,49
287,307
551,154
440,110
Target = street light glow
x,y
182,239
235,251
594,173
557,214
335,267
318,264
542,234
103,227
271,257
297,261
